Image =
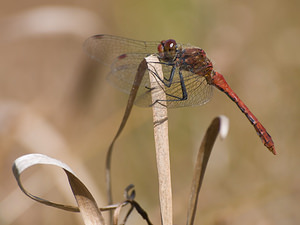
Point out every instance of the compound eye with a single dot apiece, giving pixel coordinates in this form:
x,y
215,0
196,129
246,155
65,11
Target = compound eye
x,y
170,45
160,47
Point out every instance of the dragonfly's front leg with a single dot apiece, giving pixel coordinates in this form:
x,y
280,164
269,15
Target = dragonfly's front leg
x,y
170,79
171,97
166,81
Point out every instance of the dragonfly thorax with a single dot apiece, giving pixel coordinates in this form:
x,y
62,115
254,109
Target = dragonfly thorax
x,y
195,60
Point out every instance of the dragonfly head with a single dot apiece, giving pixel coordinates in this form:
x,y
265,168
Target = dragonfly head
x,y
167,49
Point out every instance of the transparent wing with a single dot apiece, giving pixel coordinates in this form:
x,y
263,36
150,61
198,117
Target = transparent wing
x,y
198,90
123,72
107,48
124,55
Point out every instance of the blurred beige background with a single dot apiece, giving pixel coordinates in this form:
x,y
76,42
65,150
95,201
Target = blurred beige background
x,y
55,101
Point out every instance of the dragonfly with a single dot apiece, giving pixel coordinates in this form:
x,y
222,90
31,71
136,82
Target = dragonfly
x,y
189,77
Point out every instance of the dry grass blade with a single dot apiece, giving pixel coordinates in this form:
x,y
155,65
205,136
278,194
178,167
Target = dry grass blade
x,y
141,211
133,205
130,198
160,121
137,81
117,213
219,124
86,203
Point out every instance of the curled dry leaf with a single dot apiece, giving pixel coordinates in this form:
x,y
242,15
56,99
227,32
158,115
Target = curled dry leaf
x,y
86,203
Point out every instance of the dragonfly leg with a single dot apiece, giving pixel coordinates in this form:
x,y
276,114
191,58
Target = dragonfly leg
x,y
169,80
175,98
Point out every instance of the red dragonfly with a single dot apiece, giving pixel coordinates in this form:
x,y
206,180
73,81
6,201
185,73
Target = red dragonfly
x,y
188,74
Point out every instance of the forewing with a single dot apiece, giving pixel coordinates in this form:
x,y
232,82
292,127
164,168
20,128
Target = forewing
x,y
123,72
107,48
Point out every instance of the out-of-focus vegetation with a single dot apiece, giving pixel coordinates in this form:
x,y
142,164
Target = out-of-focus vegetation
x,y
55,101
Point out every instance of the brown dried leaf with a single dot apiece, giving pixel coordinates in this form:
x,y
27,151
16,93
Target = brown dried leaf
x,y
218,125
86,203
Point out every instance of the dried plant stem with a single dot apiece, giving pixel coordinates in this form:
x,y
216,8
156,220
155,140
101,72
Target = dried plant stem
x,y
160,121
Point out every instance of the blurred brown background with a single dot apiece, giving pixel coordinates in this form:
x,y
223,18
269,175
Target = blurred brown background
x,y
55,101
